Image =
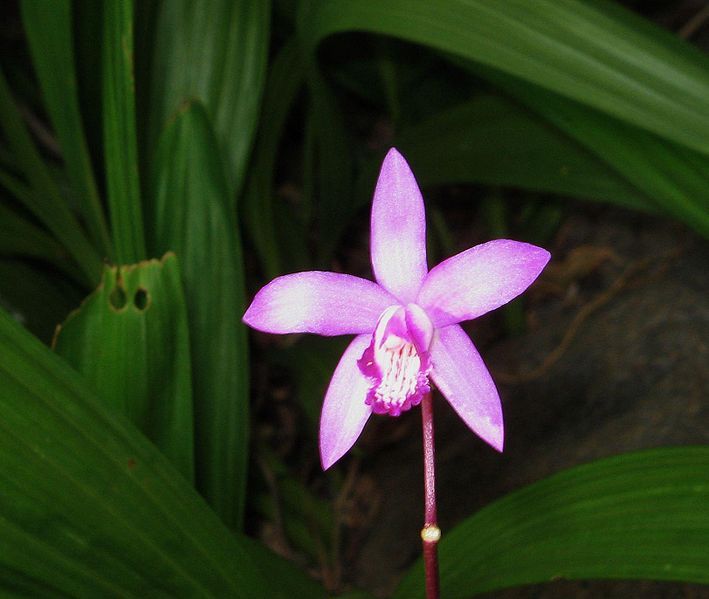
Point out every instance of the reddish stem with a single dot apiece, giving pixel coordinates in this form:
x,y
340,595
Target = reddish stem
x,y
430,533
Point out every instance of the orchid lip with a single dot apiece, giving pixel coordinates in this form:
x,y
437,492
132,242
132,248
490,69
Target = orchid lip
x,y
397,362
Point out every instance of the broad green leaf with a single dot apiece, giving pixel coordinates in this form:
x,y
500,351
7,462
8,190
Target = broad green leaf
x,y
593,52
496,141
215,52
40,194
638,515
90,508
193,218
130,340
119,132
50,37
285,78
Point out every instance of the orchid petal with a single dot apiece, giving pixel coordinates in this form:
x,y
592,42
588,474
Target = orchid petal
x,y
344,412
461,376
420,327
325,303
398,242
480,279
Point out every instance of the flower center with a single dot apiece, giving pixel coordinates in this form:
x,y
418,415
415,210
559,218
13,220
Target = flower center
x,y
397,362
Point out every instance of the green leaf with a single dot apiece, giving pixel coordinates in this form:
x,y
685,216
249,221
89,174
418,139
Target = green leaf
x,y
673,176
90,508
41,194
50,37
20,237
637,515
496,141
130,340
286,76
119,132
215,52
193,218
335,166
593,52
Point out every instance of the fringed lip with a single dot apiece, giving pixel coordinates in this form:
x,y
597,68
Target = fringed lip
x,y
397,361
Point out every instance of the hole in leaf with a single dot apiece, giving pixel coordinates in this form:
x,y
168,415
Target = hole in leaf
x,y
141,299
118,298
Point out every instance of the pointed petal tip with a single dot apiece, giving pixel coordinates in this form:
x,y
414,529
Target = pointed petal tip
x,y
493,433
247,318
393,154
498,442
396,166
542,255
251,317
326,461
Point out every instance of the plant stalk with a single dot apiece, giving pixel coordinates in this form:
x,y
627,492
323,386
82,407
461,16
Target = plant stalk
x,y
430,534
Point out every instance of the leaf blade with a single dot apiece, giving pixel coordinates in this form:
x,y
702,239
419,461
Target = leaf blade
x,y
673,176
636,515
216,54
493,140
285,78
89,505
49,33
137,355
597,54
192,218
119,132
43,197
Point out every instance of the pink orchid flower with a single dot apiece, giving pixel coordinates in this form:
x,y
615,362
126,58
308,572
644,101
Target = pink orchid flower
x,y
406,324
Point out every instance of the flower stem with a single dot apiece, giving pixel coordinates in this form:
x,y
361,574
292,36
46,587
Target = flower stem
x,y
430,534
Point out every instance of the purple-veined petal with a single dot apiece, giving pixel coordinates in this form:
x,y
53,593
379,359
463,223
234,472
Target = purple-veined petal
x,y
480,279
460,374
398,241
344,412
325,303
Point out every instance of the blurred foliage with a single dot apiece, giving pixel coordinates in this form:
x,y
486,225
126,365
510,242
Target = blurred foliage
x,y
128,131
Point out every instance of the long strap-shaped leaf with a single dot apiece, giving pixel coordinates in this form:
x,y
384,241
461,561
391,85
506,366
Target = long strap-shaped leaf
x,y
120,141
50,36
90,508
638,515
592,52
674,176
494,140
193,218
335,165
215,52
285,79
43,197
20,237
